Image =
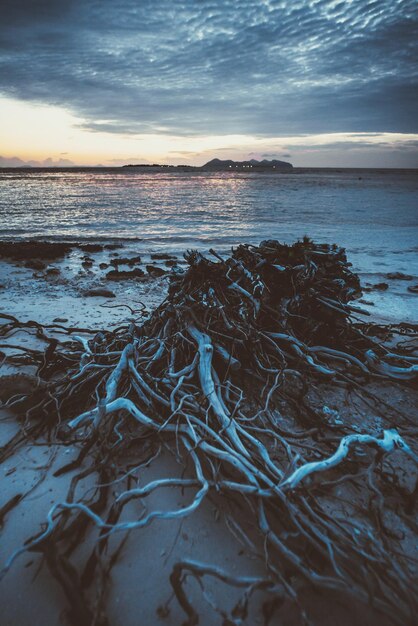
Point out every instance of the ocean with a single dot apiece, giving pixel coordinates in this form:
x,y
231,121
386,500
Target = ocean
x,y
372,213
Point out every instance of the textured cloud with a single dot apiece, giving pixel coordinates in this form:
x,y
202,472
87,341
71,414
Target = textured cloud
x,y
263,68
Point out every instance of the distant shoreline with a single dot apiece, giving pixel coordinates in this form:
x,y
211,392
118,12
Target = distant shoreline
x,y
189,169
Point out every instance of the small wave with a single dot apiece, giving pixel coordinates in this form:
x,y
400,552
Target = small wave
x,y
21,235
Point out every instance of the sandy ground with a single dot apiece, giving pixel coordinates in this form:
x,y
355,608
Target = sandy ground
x,y
393,304
140,581
30,294
140,592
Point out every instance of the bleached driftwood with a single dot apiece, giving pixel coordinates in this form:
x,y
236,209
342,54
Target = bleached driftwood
x,y
390,441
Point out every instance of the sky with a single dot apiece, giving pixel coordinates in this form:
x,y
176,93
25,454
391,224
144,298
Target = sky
x,y
314,82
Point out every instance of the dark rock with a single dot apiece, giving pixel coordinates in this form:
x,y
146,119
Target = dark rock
x,y
413,288
103,266
171,263
60,319
23,250
155,271
34,249
118,275
87,264
125,261
35,264
159,256
380,286
52,271
99,292
369,302
399,276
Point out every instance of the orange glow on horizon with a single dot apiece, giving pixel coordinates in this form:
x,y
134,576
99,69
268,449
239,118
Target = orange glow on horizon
x,y
34,132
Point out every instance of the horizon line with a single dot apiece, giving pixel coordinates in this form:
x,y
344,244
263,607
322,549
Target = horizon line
x,y
195,167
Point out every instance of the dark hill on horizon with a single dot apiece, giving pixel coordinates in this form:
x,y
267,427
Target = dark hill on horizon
x,y
218,164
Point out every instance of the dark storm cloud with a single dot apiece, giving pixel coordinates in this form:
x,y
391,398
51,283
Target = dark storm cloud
x,y
217,66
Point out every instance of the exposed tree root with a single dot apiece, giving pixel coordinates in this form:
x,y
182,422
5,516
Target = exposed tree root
x,y
221,373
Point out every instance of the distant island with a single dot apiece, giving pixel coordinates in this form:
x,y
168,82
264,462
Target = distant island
x,y
275,164
225,166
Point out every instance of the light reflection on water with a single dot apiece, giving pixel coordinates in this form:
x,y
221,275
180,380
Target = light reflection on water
x,y
375,217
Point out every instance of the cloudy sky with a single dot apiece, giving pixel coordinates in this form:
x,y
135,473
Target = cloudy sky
x,y
316,82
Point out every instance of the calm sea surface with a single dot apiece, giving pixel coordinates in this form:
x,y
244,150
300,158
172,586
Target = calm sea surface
x,y
373,214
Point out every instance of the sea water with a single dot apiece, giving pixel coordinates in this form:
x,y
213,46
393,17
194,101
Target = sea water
x,y
372,213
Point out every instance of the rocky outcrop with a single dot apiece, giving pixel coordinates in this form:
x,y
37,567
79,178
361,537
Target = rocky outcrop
x,y
118,275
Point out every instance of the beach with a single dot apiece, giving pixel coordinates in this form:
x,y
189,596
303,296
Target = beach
x,y
110,274
208,313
